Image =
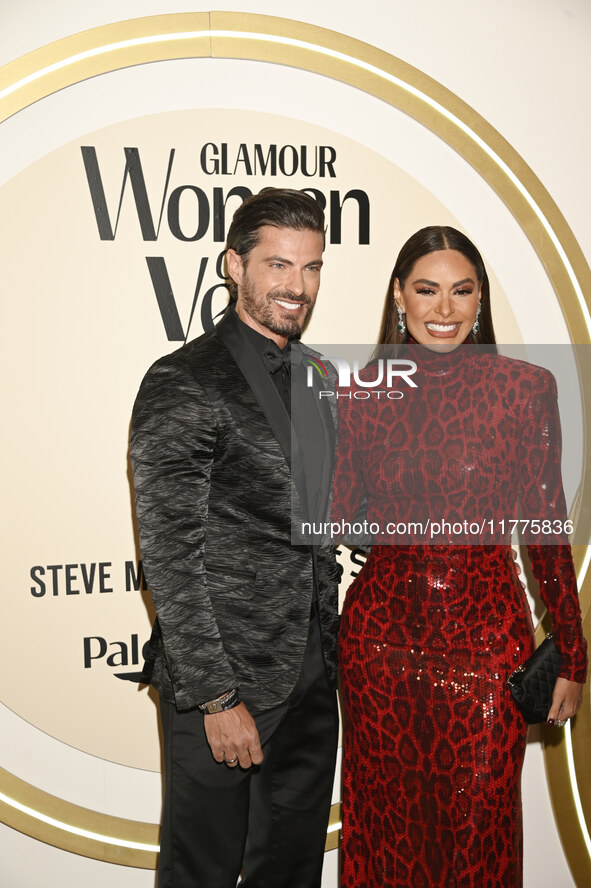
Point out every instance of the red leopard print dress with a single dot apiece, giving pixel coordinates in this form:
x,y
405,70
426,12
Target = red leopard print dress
x,y
433,744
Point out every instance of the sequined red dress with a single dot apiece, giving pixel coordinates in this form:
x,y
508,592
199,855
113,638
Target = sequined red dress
x,y
433,744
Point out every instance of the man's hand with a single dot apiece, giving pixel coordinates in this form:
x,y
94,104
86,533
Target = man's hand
x,y
233,737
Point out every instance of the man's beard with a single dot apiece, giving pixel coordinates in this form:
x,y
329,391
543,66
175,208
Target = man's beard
x,y
261,308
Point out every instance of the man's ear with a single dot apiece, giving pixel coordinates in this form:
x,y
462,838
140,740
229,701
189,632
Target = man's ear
x,y
235,266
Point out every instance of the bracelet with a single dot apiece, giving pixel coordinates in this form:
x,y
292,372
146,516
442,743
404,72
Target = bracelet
x,y
227,701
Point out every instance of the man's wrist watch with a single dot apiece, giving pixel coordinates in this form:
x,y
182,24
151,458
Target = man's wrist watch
x,y
227,701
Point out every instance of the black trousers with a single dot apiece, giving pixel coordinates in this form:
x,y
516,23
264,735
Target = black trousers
x,y
270,820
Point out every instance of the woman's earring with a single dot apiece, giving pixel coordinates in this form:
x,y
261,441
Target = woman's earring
x,y
400,326
476,324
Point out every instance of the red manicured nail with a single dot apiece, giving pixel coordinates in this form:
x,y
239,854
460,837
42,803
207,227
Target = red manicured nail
x,y
550,723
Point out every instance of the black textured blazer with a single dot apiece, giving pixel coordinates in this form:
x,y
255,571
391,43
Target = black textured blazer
x,y
210,450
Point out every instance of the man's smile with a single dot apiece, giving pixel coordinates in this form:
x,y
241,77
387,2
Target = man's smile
x,y
289,306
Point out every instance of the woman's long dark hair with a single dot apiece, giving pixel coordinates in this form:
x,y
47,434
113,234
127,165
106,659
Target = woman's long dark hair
x,y
430,240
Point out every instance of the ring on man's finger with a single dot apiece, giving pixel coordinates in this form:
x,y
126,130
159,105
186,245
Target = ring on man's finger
x,y
231,761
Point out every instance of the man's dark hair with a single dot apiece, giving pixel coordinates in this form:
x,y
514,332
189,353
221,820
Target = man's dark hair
x,y
278,207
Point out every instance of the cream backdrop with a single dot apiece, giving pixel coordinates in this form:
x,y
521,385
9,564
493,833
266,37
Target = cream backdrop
x,y
82,323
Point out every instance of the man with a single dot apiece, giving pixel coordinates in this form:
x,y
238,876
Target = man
x,y
243,650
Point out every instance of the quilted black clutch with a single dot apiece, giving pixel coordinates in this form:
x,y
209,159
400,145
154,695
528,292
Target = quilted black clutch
x,y
532,683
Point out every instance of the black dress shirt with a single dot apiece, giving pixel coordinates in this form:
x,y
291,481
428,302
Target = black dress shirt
x,y
287,370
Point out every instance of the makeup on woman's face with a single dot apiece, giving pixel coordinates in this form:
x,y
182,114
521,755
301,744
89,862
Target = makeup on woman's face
x,y
440,298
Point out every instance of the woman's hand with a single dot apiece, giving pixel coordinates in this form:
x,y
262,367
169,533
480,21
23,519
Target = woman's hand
x,y
566,700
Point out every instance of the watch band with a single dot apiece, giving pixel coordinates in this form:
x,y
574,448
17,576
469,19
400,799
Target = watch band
x,y
220,704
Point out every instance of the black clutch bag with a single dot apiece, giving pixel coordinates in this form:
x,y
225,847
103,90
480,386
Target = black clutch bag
x,y
532,683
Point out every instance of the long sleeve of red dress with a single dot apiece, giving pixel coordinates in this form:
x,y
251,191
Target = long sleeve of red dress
x,y
541,497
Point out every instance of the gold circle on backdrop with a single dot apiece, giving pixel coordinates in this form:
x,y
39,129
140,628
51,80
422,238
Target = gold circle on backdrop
x,y
252,37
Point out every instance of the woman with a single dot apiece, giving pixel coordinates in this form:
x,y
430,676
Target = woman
x,y
433,742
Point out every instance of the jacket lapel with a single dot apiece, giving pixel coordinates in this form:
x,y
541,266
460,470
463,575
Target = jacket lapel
x,y
327,408
267,397
261,384
249,363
